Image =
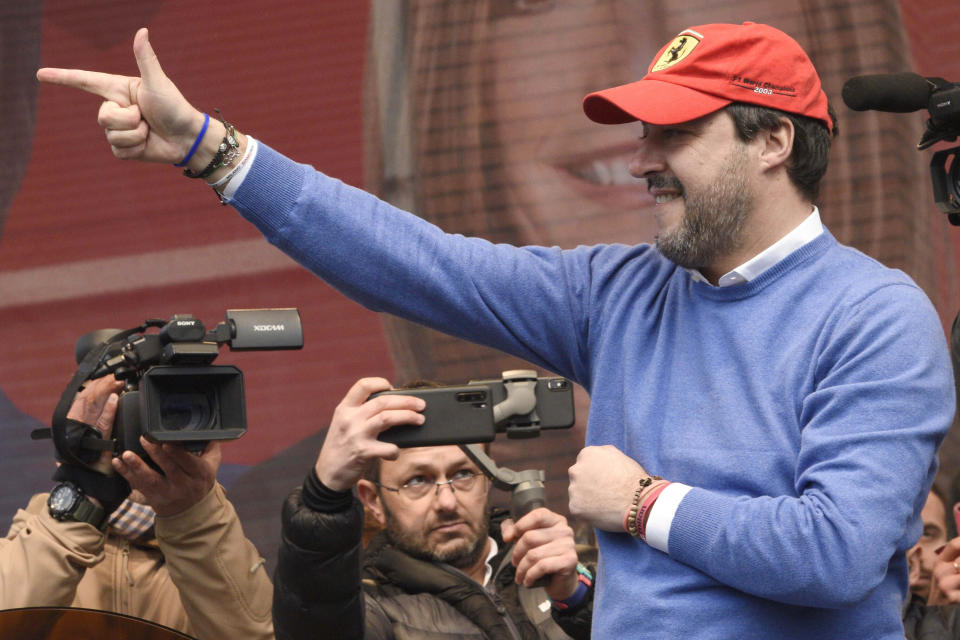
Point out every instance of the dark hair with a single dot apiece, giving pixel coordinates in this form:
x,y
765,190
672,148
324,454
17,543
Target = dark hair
x,y
811,141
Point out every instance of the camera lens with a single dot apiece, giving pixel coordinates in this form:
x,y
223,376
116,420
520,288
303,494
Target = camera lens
x,y
186,412
188,403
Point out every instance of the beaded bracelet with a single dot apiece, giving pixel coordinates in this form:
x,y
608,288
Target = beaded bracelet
x,y
644,513
630,518
226,153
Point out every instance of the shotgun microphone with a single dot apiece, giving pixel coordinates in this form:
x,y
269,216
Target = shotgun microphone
x,y
892,92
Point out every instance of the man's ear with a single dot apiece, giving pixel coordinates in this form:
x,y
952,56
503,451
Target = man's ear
x,y
370,497
777,145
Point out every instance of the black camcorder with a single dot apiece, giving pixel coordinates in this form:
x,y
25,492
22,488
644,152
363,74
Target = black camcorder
x,y
172,392
908,92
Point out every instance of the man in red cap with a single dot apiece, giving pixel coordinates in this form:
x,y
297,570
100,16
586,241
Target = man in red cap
x,y
702,71
790,391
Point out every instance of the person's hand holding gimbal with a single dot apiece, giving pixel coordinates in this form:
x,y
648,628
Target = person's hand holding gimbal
x,y
351,441
545,547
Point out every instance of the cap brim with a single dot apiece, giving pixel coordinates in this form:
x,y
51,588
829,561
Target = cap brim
x,y
652,101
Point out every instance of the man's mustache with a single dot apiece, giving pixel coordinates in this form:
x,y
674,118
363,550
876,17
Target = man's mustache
x,y
657,181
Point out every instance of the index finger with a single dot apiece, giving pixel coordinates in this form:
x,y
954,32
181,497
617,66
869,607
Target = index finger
x,y
540,518
106,85
90,401
362,389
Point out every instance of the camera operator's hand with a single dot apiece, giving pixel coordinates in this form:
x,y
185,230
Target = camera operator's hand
x,y
602,483
96,405
351,441
145,118
186,477
545,547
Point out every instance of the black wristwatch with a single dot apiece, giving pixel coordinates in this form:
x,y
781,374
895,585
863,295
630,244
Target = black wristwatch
x,y
68,502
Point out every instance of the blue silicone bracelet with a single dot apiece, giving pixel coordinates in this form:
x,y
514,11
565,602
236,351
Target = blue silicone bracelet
x,y
196,143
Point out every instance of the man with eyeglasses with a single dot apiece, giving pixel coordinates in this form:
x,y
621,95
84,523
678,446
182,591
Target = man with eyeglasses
x,y
444,564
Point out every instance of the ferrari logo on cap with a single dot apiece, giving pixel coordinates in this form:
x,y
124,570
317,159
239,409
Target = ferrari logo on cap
x,y
676,51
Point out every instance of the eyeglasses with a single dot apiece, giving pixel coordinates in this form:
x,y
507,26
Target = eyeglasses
x,y
419,486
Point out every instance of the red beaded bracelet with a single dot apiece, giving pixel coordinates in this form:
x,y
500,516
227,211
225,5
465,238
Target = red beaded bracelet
x,y
644,513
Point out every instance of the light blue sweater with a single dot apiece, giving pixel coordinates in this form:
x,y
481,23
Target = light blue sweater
x,y
805,407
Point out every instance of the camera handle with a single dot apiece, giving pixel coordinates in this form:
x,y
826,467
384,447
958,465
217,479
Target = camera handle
x,y
946,182
945,179
527,490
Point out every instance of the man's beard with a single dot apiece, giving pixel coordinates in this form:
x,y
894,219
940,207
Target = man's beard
x,y
714,217
415,544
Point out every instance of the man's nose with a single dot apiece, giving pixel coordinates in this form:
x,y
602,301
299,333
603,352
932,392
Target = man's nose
x,y
446,496
646,160
913,555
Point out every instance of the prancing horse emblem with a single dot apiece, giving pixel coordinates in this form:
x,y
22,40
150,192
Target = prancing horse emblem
x,y
676,51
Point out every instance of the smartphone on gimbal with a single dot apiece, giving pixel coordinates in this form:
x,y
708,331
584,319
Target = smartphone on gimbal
x,y
465,414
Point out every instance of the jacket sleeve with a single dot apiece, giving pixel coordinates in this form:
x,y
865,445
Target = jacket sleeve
x,y
220,575
42,559
318,572
577,620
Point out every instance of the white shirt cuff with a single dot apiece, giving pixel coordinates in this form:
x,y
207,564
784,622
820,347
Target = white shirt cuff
x,y
237,179
661,516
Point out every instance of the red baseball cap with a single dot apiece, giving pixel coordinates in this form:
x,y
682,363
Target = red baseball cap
x,y
705,68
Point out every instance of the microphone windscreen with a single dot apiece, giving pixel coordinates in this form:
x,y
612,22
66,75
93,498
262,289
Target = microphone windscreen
x,y
895,92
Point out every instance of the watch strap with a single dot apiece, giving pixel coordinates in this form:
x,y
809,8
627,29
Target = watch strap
x,y
110,491
82,510
87,511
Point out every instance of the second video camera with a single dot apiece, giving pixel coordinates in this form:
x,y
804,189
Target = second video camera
x,y
172,391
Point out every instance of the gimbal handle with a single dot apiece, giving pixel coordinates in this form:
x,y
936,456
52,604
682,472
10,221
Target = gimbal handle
x,y
527,489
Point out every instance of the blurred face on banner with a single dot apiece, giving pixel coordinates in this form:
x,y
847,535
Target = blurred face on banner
x,y
564,179
498,145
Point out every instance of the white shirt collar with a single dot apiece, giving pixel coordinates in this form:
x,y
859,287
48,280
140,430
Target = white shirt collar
x,y
803,233
489,569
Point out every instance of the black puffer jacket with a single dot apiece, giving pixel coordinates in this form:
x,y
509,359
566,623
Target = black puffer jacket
x,y
318,594
921,622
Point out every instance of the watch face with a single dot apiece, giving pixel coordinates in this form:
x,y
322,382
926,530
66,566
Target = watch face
x,y
62,498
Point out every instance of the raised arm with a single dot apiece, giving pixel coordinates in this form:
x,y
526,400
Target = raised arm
x,y
357,243
318,570
223,585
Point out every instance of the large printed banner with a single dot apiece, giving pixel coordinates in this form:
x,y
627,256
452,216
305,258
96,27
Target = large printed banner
x,y
466,112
